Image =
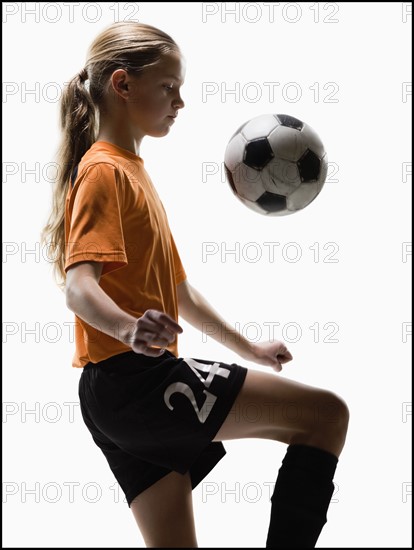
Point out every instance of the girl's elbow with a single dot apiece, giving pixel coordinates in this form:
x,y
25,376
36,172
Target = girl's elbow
x,y
73,294
70,297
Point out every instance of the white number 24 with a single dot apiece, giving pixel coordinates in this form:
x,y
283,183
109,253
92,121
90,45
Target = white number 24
x,y
213,370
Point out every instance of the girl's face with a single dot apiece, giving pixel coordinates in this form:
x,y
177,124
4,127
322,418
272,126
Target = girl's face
x,y
154,99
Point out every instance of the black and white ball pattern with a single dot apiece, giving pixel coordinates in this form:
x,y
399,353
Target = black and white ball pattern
x,y
276,164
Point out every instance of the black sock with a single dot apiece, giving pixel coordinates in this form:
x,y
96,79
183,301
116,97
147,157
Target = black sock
x,y
301,497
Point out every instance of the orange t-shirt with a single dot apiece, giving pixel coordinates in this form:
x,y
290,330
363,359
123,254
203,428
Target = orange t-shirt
x,y
114,215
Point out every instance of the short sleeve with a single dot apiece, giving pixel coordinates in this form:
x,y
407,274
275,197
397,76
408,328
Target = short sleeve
x,y
179,271
94,219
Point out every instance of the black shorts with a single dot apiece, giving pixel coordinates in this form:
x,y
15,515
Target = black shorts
x,y
154,415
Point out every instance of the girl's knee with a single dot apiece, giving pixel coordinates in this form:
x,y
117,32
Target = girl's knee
x,y
332,411
333,421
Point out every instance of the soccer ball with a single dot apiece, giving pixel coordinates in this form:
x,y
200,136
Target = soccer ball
x,y
276,164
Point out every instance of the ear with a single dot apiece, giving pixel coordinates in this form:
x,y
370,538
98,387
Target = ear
x,y
120,83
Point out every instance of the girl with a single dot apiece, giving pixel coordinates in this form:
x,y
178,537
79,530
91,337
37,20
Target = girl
x,y
158,418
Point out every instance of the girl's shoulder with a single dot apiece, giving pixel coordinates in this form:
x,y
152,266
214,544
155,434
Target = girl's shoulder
x,y
103,153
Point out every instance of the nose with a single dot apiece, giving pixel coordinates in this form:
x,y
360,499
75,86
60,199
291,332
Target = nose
x,y
178,102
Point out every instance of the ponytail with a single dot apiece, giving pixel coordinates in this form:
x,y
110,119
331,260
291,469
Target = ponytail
x,y
77,123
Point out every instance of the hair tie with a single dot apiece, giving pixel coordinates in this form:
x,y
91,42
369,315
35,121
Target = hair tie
x,y
83,75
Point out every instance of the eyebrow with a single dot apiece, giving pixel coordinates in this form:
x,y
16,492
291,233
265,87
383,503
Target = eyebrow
x,y
174,78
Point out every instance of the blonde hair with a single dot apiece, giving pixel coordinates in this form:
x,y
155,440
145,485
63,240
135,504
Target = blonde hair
x,y
128,45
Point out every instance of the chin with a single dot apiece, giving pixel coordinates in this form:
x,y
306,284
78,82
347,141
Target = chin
x,y
160,133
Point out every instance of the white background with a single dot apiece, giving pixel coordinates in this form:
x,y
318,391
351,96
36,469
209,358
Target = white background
x,y
364,209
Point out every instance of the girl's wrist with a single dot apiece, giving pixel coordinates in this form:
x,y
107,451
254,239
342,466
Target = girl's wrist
x,y
247,349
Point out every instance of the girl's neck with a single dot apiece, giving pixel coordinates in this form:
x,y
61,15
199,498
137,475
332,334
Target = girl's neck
x,y
121,139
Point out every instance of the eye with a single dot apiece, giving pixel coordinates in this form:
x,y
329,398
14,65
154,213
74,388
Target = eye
x,y
168,87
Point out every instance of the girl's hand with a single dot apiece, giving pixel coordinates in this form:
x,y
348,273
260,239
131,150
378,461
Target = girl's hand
x,y
272,354
154,328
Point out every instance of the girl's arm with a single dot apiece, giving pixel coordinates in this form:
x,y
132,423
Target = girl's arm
x,y
89,302
195,309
